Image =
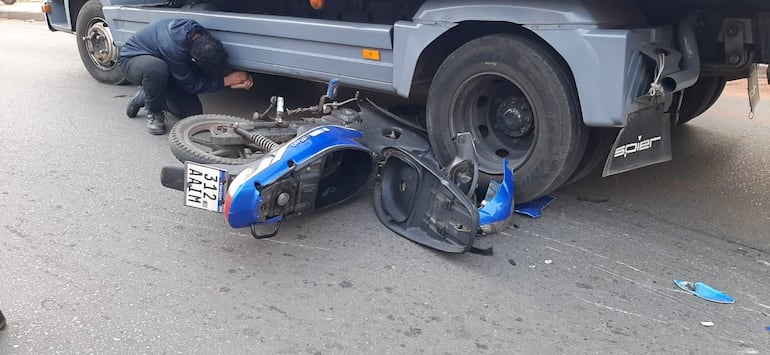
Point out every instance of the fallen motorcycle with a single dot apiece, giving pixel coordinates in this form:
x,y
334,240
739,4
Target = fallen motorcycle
x,y
311,158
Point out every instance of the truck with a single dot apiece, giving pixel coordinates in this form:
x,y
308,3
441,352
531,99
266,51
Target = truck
x,y
556,87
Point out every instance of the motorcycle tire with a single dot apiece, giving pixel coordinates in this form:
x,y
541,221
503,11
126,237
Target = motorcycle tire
x,y
188,142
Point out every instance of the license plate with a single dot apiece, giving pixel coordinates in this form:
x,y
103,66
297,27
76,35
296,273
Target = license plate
x,y
204,187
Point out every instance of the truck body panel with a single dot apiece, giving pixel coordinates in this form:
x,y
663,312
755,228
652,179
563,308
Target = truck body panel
x,y
309,48
318,49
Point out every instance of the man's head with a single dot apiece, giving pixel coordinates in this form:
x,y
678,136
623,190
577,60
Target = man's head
x,y
209,54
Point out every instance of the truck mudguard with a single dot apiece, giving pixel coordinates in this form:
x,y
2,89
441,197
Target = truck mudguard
x,y
583,33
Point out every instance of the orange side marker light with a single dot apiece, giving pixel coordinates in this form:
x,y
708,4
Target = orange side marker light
x,y
317,4
371,54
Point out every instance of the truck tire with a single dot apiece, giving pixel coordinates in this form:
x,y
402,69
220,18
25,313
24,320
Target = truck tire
x,y
517,99
95,44
700,97
600,142
9,2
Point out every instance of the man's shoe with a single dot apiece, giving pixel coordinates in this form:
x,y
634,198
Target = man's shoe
x,y
2,320
156,123
135,104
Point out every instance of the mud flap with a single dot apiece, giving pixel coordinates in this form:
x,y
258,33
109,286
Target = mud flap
x,y
416,200
646,140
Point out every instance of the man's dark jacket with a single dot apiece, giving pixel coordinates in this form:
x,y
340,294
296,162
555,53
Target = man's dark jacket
x,y
170,41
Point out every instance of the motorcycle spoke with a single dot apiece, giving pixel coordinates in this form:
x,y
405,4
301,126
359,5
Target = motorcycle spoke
x,y
221,152
203,142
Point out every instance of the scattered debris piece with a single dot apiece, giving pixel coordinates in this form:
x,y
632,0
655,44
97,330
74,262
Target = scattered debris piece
x,y
532,266
704,291
533,208
765,263
480,251
512,262
585,286
707,324
768,328
495,210
549,261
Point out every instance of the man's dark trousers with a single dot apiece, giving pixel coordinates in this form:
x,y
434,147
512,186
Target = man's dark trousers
x,y
160,90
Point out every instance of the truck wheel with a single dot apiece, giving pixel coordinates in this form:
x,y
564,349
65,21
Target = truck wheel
x,y
518,101
97,50
600,142
9,2
700,97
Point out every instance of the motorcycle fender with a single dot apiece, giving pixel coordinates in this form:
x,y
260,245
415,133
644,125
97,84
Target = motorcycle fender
x,y
322,167
416,200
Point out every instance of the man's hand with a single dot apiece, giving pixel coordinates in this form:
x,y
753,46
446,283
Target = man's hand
x,y
246,85
239,80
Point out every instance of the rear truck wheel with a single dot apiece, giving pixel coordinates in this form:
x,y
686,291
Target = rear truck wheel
x,y
205,139
700,97
600,142
97,50
518,101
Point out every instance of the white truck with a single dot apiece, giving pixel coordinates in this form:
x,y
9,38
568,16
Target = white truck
x,y
556,86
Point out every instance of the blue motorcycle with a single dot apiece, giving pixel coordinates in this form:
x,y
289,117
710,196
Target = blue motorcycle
x,y
259,172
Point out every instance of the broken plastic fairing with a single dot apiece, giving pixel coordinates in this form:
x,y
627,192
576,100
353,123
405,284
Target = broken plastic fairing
x,y
497,207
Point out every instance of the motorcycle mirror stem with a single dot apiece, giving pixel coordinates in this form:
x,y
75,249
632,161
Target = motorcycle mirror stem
x,y
332,90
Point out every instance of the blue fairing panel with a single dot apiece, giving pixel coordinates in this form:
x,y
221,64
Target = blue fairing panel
x,y
493,216
244,201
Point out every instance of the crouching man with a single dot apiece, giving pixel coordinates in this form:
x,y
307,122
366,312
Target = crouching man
x,y
174,60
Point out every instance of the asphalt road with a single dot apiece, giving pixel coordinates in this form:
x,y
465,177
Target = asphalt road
x,y
97,257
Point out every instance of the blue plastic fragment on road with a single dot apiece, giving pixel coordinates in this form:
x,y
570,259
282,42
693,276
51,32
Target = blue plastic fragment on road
x,y
533,208
497,208
768,328
704,291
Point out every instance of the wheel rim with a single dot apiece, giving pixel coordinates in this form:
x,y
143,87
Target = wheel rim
x,y
499,115
99,44
206,138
